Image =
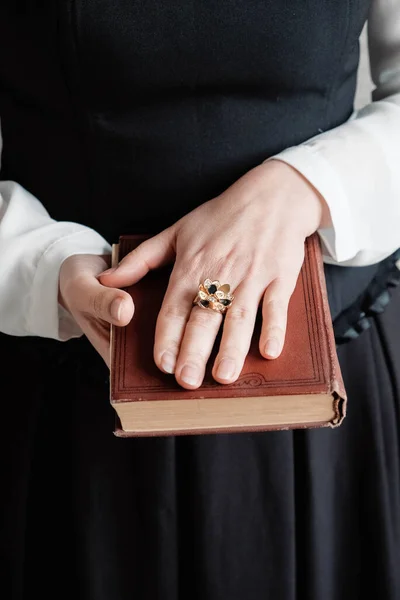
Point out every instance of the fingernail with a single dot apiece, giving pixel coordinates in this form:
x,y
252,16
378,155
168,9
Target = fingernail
x,y
226,368
168,361
190,375
116,309
272,347
108,272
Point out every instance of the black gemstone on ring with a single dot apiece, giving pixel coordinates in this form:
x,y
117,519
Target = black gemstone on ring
x,y
225,302
212,289
204,303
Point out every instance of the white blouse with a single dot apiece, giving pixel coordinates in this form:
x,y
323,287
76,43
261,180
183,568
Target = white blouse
x,y
356,168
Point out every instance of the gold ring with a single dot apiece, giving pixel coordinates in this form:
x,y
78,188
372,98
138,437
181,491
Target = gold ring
x,y
214,296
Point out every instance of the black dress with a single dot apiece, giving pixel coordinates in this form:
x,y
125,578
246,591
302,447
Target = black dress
x,y
124,115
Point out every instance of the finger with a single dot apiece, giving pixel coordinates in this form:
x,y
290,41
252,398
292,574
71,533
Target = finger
x,y
108,304
274,311
150,254
98,334
237,333
172,319
197,344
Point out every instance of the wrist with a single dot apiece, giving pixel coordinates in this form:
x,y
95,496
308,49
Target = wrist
x,y
313,196
296,191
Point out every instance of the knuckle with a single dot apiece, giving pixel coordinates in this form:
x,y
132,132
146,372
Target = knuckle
x,y
201,319
172,345
256,267
274,331
142,259
173,311
226,265
129,258
198,265
136,256
239,314
227,350
98,304
276,305
195,358
191,268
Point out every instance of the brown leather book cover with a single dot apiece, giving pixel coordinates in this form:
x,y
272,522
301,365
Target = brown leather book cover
x,y
303,388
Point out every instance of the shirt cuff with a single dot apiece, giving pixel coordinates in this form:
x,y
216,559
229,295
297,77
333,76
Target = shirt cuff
x,y
339,241
46,317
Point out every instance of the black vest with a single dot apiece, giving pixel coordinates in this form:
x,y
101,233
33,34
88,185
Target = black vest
x,y
126,114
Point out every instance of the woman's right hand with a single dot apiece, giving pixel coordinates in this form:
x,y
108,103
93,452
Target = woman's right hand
x,y
93,306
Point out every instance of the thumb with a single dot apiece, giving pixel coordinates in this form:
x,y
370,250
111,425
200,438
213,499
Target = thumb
x,y
150,254
108,304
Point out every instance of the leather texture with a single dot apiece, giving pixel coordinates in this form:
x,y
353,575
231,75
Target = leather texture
x,y
308,364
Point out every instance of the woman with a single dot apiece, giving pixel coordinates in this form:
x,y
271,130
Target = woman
x,y
226,129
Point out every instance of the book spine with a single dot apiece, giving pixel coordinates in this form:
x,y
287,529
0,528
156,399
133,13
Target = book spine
x,y
114,262
336,380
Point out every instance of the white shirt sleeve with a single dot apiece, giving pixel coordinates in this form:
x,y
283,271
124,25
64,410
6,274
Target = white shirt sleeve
x,y
356,167
32,248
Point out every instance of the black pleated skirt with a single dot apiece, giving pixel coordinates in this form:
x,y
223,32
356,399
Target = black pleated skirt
x,y
304,515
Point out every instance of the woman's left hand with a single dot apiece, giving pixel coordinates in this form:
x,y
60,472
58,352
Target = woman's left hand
x,y
252,237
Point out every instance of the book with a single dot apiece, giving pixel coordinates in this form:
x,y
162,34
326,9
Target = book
x,y
303,388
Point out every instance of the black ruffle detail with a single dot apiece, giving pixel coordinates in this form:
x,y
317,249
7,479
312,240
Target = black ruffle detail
x,y
353,321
